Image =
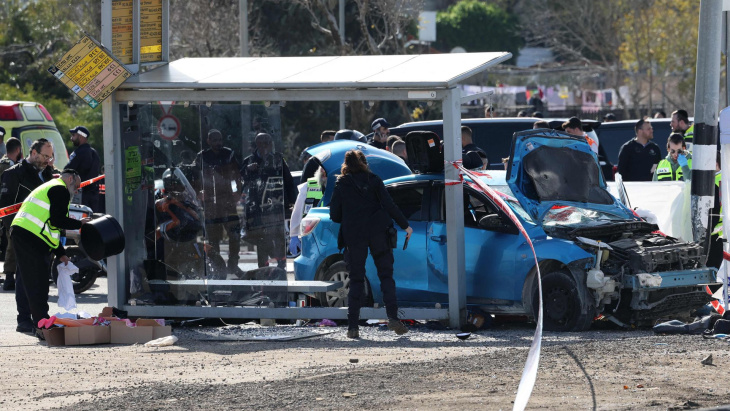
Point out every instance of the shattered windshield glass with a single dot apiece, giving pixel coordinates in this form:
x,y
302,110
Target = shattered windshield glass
x,y
570,216
509,198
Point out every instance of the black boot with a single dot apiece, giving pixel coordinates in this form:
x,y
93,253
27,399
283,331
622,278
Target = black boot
x,y
9,284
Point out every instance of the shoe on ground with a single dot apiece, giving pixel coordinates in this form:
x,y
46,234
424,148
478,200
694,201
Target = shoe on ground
x,y
39,334
25,327
397,327
353,333
9,284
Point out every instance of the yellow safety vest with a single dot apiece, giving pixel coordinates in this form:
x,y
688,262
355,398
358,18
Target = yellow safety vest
x,y
664,171
35,214
314,194
689,137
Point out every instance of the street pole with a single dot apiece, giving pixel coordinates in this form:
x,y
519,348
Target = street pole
x,y
707,99
243,26
342,38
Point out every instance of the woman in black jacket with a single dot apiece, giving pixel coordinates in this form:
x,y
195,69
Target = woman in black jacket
x,y
365,210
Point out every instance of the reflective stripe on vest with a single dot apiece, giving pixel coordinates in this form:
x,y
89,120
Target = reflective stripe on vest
x,y
35,213
689,137
664,171
314,194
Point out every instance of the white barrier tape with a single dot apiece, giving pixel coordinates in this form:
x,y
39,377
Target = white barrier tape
x,y
529,372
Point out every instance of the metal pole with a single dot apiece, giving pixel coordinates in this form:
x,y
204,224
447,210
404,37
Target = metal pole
x,y
707,98
342,38
454,210
243,23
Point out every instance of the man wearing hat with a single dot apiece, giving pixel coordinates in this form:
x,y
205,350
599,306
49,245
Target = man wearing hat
x,y
85,160
609,117
380,133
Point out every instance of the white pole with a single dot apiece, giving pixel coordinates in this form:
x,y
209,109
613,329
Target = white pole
x,y
243,26
725,189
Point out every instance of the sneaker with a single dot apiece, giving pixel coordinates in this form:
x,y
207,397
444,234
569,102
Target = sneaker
x,y
353,333
397,327
25,327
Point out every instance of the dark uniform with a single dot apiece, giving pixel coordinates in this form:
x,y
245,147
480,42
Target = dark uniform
x,y
215,174
86,161
17,182
365,210
471,156
269,190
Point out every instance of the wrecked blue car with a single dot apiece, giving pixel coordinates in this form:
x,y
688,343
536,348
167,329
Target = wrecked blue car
x,y
596,257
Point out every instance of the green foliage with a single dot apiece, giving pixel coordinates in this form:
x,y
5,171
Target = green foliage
x,y
478,26
35,35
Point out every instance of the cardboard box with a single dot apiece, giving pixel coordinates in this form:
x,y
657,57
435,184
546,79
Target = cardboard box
x,y
116,333
89,335
146,330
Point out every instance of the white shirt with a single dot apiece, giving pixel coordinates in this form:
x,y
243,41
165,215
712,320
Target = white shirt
x,y
298,211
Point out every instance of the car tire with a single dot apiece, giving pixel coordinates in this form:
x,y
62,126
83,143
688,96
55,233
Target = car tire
x,y
338,298
85,278
562,306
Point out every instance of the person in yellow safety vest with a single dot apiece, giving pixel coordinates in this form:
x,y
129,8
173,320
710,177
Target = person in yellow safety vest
x,y
680,124
35,233
677,166
310,193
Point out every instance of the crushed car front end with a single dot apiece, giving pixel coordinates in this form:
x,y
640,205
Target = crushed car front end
x,y
637,272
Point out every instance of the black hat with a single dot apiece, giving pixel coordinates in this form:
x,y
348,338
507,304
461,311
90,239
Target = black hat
x,y
573,122
2,132
609,116
379,122
83,131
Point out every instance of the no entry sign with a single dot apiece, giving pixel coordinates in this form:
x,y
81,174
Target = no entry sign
x,y
169,127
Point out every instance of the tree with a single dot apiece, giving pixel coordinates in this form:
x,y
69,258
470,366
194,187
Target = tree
x,y
651,47
478,26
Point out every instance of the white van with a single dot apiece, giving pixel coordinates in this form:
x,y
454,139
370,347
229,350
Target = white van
x,y
28,121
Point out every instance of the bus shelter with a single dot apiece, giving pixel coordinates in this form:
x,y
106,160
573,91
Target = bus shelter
x,y
182,209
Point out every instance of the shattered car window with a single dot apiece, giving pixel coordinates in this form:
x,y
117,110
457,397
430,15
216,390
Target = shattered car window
x,y
513,203
575,216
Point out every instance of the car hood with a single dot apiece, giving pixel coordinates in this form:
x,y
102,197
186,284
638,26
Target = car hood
x,y
331,155
548,168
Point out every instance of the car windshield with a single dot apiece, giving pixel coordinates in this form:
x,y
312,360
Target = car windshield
x,y
510,199
569,216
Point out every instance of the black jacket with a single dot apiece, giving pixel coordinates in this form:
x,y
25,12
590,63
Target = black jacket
x,y
355,205
85,160
17,182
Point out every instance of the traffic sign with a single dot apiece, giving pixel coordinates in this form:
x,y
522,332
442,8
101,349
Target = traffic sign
x,y
150,30
90,71
169,127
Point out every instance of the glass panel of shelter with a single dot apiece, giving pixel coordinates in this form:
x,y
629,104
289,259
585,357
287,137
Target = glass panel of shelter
x,y
203,200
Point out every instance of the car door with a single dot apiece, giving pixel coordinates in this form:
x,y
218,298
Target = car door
x,y
489,254
409,270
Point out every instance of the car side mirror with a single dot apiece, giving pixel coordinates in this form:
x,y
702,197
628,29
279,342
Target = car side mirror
x,y
494,222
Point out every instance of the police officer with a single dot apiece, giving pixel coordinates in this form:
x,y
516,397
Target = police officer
x,y
380,127
17,182
268,188
86,161
217,174
310,193
677,166
364,209
35,233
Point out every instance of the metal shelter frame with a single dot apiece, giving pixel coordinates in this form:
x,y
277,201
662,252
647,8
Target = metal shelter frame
x,y
343,78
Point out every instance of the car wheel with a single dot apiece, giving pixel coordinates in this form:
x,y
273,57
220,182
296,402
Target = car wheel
x,y
562,305
338,298
85,278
